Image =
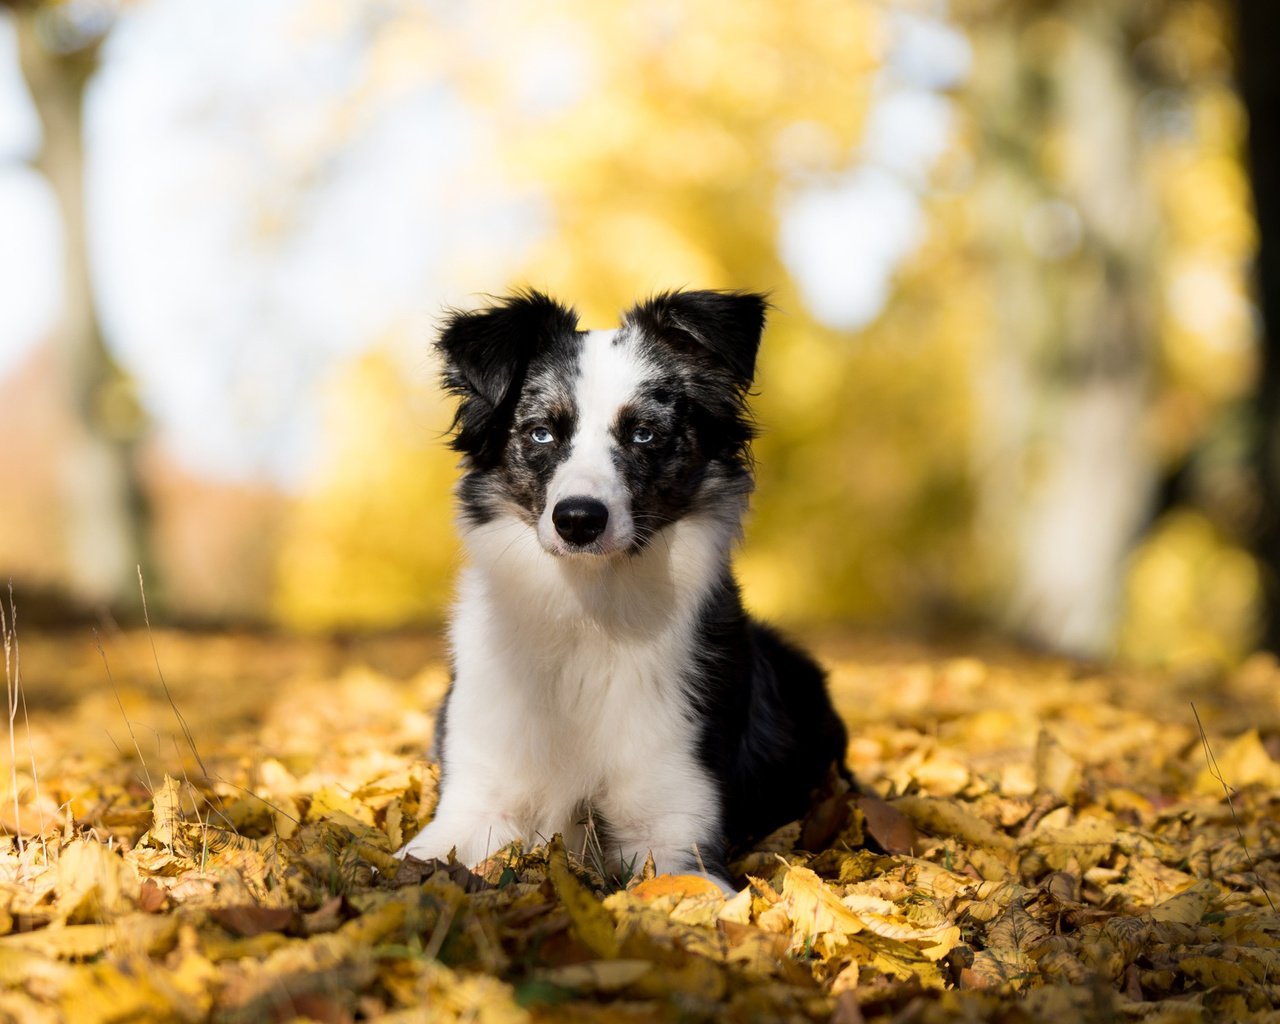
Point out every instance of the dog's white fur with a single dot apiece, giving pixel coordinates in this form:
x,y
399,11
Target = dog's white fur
x,y
607,378
568,668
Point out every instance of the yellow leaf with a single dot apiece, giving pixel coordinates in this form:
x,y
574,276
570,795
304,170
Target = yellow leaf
x,y
142,933
166,811
101,993
1060,964
1214,970
737,908
590,920
1130,934
374,926
1014,936
813,909
285,816
948,818
386,864
895,959
32,969
1057,771
331,803
1243,763
1187,907
885,919
93,883
392,823
758,952
694,976
1087,842
941,775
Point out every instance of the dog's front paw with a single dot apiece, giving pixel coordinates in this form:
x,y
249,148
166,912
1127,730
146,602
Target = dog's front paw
x,y
426,845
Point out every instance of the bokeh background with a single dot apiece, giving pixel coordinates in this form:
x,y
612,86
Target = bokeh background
x,y
1016,379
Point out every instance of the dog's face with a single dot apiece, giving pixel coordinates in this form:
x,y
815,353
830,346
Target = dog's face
x,y
598,439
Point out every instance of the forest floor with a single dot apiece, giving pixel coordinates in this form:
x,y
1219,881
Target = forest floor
x,y
199,827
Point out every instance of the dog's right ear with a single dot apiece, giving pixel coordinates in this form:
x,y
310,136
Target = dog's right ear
x,y
486,355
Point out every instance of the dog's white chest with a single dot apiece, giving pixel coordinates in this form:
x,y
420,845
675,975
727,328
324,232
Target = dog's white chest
x,y
564,703
572,698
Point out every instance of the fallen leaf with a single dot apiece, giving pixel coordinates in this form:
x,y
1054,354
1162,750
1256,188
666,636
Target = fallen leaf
x,y
597,975
246,921
1187,907
887,825
1244,762
813,910
590,921
678,886
947,818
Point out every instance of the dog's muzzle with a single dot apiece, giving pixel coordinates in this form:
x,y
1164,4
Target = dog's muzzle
x,y
579,521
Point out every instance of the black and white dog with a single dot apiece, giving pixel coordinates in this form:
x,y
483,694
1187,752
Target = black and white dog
x,y
602,659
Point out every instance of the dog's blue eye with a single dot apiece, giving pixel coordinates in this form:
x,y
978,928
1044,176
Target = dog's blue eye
x,y
541,435
642,435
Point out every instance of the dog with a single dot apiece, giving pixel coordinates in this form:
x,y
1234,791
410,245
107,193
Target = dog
x,y
605,672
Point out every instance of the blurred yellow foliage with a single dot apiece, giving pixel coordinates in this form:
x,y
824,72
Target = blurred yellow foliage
x,y
1191,597
663,148
664,171
372,542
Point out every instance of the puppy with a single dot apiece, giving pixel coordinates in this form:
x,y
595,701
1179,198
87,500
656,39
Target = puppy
x,y
603,665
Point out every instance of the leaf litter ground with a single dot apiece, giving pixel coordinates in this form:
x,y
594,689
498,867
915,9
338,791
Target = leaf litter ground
x,y
1032,840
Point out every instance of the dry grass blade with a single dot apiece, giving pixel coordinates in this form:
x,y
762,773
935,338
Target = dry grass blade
x,y
124,714
1235,820
182,722
8,626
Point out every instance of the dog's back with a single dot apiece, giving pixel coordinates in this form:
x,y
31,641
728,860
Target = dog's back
x,y
770,733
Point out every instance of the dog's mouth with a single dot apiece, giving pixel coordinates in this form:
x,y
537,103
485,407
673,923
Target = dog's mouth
x,y
594,551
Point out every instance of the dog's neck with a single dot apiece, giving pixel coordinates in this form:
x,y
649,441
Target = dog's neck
x,y
639,594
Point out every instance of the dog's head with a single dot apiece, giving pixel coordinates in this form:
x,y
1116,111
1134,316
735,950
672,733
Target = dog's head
x,y
599,439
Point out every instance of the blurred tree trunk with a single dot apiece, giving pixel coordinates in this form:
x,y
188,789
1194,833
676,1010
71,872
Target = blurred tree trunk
x,y
104,505
1259,26
1065,478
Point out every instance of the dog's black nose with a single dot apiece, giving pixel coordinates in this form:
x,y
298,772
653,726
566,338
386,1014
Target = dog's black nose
x,y
580,520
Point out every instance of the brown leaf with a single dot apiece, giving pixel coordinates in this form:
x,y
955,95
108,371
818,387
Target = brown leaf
x,y
151,897
247,921
847,1010
824,822
888,826
412,871
597,975
326,918
759,953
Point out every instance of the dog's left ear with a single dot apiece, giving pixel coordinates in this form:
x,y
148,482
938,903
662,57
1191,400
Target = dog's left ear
x,y
486,356
487,350
726,325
